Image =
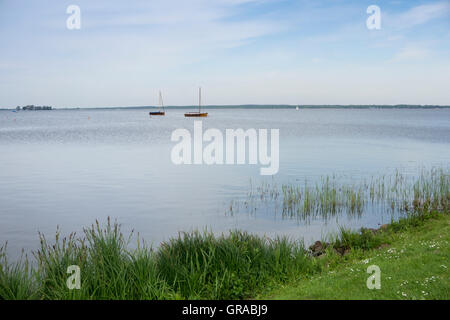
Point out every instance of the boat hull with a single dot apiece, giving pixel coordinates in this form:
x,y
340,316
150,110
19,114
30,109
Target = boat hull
x,y
157,113
196,114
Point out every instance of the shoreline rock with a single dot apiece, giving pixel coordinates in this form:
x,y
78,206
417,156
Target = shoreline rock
x,y
319,248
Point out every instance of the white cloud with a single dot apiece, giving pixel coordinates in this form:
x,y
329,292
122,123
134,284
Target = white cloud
x,y
411,53
419,15
174,12
172,27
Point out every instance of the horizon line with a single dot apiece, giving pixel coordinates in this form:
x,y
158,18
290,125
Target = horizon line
x,y
300,106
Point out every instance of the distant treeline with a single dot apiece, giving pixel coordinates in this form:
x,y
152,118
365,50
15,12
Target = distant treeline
x,y
285,106
280,106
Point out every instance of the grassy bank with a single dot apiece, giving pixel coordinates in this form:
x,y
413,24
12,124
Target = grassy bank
x,y
414,260
413,255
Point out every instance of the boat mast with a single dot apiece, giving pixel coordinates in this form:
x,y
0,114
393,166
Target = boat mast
x,y
199,98
161,102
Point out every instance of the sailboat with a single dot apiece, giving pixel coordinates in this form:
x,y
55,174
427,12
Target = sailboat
x,y
199,113
161,105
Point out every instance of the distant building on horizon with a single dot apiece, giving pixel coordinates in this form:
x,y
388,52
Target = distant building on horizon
x,y
33,107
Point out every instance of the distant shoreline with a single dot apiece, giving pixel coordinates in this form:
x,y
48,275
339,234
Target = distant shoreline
x,y
256,106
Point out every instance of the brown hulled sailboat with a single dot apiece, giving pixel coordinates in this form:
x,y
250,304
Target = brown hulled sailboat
x,y
198,113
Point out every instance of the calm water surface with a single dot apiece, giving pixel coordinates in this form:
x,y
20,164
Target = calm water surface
x,y
71,167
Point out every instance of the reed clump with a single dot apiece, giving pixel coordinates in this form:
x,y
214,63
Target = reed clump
x,y
332,196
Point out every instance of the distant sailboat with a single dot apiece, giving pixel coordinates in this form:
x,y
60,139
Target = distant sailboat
x,y
296,108
161,105
199,113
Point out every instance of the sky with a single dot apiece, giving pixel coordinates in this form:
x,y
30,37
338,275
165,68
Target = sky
x,y
239,51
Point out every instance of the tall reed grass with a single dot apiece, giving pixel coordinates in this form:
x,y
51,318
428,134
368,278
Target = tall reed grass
x,y
193,265
329,197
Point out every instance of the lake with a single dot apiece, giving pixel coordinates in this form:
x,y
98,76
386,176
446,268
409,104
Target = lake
x,y
68,168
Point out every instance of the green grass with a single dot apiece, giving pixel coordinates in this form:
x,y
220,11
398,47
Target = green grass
x,y
203,266
415,265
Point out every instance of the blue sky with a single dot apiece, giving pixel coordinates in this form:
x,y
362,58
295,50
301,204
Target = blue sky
x,y
239,51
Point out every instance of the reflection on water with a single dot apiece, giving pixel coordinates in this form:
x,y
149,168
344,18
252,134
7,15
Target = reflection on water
x,y
70,167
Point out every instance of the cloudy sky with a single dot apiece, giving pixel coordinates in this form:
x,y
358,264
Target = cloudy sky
x,y
239,51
